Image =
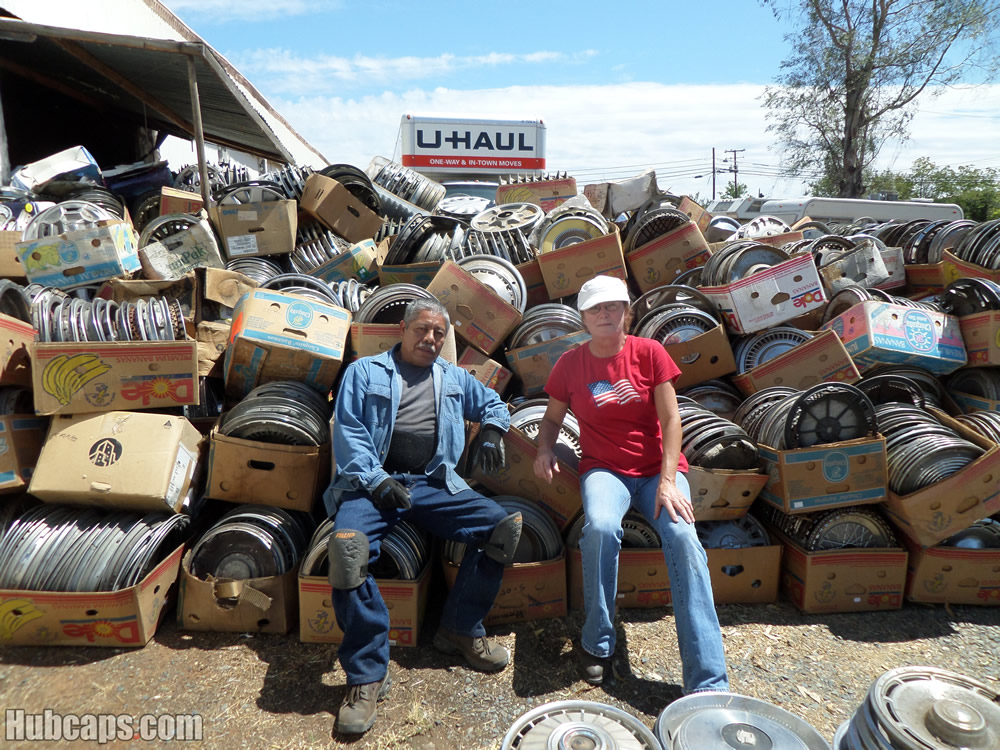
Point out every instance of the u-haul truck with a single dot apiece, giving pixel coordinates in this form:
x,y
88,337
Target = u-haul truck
x,y
450,148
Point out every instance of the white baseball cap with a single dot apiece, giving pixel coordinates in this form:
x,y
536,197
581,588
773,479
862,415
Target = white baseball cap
x,y
601,289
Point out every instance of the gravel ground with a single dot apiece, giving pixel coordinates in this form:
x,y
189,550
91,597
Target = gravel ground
x,y
269,691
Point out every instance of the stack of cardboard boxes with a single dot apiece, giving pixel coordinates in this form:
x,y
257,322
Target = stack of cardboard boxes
x,y
242,336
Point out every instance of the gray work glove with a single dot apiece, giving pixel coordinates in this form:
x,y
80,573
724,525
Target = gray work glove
x,y
489,450
391,494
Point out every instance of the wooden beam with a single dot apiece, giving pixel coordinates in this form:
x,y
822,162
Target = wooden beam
x,y
52,83
112,75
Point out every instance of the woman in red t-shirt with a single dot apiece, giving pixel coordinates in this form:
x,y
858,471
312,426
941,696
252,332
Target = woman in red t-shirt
x,y
620,388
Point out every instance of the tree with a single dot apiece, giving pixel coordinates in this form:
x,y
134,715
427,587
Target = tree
x,y
856,70
733,190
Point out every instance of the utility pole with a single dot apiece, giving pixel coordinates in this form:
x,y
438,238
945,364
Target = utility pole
x,y
713,173
736,170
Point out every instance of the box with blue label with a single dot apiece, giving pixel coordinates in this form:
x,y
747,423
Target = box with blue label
x,y
878,333
283,336
358,263
21,438
852,472
82,257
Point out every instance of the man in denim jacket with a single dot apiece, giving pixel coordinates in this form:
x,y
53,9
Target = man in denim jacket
x,y
399,431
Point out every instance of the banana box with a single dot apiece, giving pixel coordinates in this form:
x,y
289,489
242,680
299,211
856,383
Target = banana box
x,y
86,377
81,257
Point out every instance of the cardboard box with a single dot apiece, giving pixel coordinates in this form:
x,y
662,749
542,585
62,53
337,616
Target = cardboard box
x,y
16,338
643,581
358,263
122,460
821,359
10,264
862,266
745,576
479,316
529,591
257,228
177,201
545,193
892,258
21,439
280,336
706,356
968,403
256,605
534,362
405,600
723,494
368,339
739,576
220,292
82,257
698,215
825,476
561,499
934,513
843,580
182,252
213,340
566,270
89,377
662,260
981,336
485,370
953,575
184,289
956,268
126,618
534,283
770,297
878,333
333,205
248,471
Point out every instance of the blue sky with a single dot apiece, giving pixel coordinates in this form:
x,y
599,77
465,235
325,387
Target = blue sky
x,y
621,87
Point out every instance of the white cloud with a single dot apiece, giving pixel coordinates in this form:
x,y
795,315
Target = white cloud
x,y
223,11
287,71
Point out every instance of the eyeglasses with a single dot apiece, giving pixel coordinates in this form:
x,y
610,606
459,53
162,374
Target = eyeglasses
x,y
608,307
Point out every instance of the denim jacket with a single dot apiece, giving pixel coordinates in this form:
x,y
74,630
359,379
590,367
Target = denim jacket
x,y
365,413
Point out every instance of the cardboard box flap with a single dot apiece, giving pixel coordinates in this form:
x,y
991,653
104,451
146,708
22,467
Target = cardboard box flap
x,y
241,591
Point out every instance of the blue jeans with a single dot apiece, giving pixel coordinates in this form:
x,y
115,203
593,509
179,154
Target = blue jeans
x,y
361,613
607,497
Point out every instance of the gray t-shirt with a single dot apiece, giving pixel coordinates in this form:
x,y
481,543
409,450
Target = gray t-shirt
x,y
414,436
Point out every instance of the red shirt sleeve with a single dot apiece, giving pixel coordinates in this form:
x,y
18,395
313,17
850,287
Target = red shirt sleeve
x,y
664,368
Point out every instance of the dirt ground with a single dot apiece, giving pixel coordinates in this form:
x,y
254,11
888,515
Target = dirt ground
x,y
271,691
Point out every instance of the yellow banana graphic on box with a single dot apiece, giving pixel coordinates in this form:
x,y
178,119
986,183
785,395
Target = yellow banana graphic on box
x,y
63,376
14,614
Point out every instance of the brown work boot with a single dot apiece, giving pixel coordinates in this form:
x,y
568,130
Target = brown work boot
x,y
479,652
357,712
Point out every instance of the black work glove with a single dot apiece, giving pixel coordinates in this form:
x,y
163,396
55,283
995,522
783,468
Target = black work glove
x,y
489,450
391,494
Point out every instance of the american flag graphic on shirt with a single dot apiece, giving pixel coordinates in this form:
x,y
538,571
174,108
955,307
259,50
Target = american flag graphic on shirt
x,y
621,392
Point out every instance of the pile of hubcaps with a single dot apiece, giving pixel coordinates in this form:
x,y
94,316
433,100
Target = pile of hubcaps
x,y
543,323
405,551
527,417
738,260
540,537
286,412
753,351
62,548
713,442
839,528
58,317
404,182
503,231
917,708
388,303
252,541
920,450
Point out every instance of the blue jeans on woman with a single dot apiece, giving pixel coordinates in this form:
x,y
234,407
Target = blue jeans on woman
x,y
361,613
607,497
